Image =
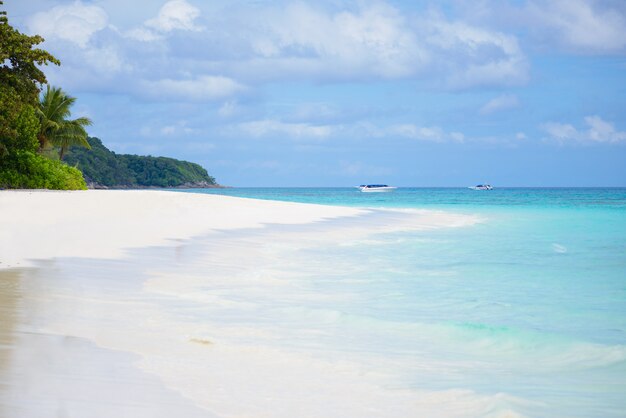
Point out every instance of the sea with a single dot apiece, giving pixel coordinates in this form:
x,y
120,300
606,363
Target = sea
x,y
525,308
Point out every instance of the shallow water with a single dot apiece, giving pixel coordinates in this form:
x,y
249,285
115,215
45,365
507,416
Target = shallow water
x,y
530,303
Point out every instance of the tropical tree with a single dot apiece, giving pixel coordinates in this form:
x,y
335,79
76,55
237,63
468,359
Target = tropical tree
x,y
19,61
56,130
21,166
20,79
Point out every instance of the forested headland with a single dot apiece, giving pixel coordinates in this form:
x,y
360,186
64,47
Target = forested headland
x,y
103,168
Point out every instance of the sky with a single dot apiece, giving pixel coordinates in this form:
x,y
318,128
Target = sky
x,y
340,93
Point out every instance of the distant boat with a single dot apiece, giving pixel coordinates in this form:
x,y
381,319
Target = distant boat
x,y
369,188
482,187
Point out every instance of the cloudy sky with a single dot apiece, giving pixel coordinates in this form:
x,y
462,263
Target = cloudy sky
x,y
340,92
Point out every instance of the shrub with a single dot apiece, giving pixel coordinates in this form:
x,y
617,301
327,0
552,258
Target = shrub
x,y
28,170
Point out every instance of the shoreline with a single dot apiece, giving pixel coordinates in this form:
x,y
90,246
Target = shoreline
x,y
103,223
41,225
185,186
76,302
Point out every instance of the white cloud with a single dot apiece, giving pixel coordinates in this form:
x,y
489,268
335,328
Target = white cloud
x,y
358,131
598,131
144,35
174,15
497,104
580,25
298,41
521,136
374,40
434,133
203,88
362,42
75,22
270,127
473,56
560,131
105,60
602,131
469,56
422,133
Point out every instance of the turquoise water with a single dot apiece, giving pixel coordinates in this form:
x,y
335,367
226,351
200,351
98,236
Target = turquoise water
x,y
530,303
457,198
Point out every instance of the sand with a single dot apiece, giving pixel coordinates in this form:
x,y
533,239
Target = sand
x,y
129,303
103,223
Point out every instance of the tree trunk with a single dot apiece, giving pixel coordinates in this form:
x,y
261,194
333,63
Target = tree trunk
x,y
42,141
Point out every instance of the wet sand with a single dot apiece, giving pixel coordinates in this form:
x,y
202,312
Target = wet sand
x,y
44,374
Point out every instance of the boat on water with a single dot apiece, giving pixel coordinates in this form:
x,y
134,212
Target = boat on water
x,y
482,187
376,188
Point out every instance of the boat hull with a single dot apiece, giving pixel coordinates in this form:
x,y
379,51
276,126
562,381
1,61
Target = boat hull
x,y
377,189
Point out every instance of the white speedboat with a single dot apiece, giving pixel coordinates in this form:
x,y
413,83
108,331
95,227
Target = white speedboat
x,y
376,188
482,187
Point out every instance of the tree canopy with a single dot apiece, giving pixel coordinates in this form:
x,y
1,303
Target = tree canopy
x,y
104,168
21,165
19,60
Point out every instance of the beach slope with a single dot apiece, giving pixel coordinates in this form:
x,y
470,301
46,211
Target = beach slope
x,y
103,223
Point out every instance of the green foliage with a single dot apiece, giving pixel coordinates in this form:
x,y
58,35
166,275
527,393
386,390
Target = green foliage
x,y
106,168
19,60
20,164
28,170
56,129
18,126
27,126
101,166
165,172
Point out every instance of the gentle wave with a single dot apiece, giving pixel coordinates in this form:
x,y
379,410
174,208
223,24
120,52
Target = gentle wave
x,y
503,347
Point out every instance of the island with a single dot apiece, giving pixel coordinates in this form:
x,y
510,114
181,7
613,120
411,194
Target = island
x,y
105,169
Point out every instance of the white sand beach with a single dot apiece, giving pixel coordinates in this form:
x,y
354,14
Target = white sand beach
x,y
155,304
102,223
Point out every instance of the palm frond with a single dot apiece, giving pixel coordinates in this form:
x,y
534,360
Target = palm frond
x,y
54,111
83,121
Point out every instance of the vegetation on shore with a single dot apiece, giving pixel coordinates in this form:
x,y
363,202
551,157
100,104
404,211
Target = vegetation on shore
x,y
104,168
37,133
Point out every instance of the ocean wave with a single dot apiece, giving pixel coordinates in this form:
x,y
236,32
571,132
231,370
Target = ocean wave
x,y
533,348
501,347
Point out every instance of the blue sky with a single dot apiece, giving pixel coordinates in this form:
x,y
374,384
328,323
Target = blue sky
x,y
338,93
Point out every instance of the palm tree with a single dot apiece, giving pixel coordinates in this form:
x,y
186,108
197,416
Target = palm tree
x,y
56,130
